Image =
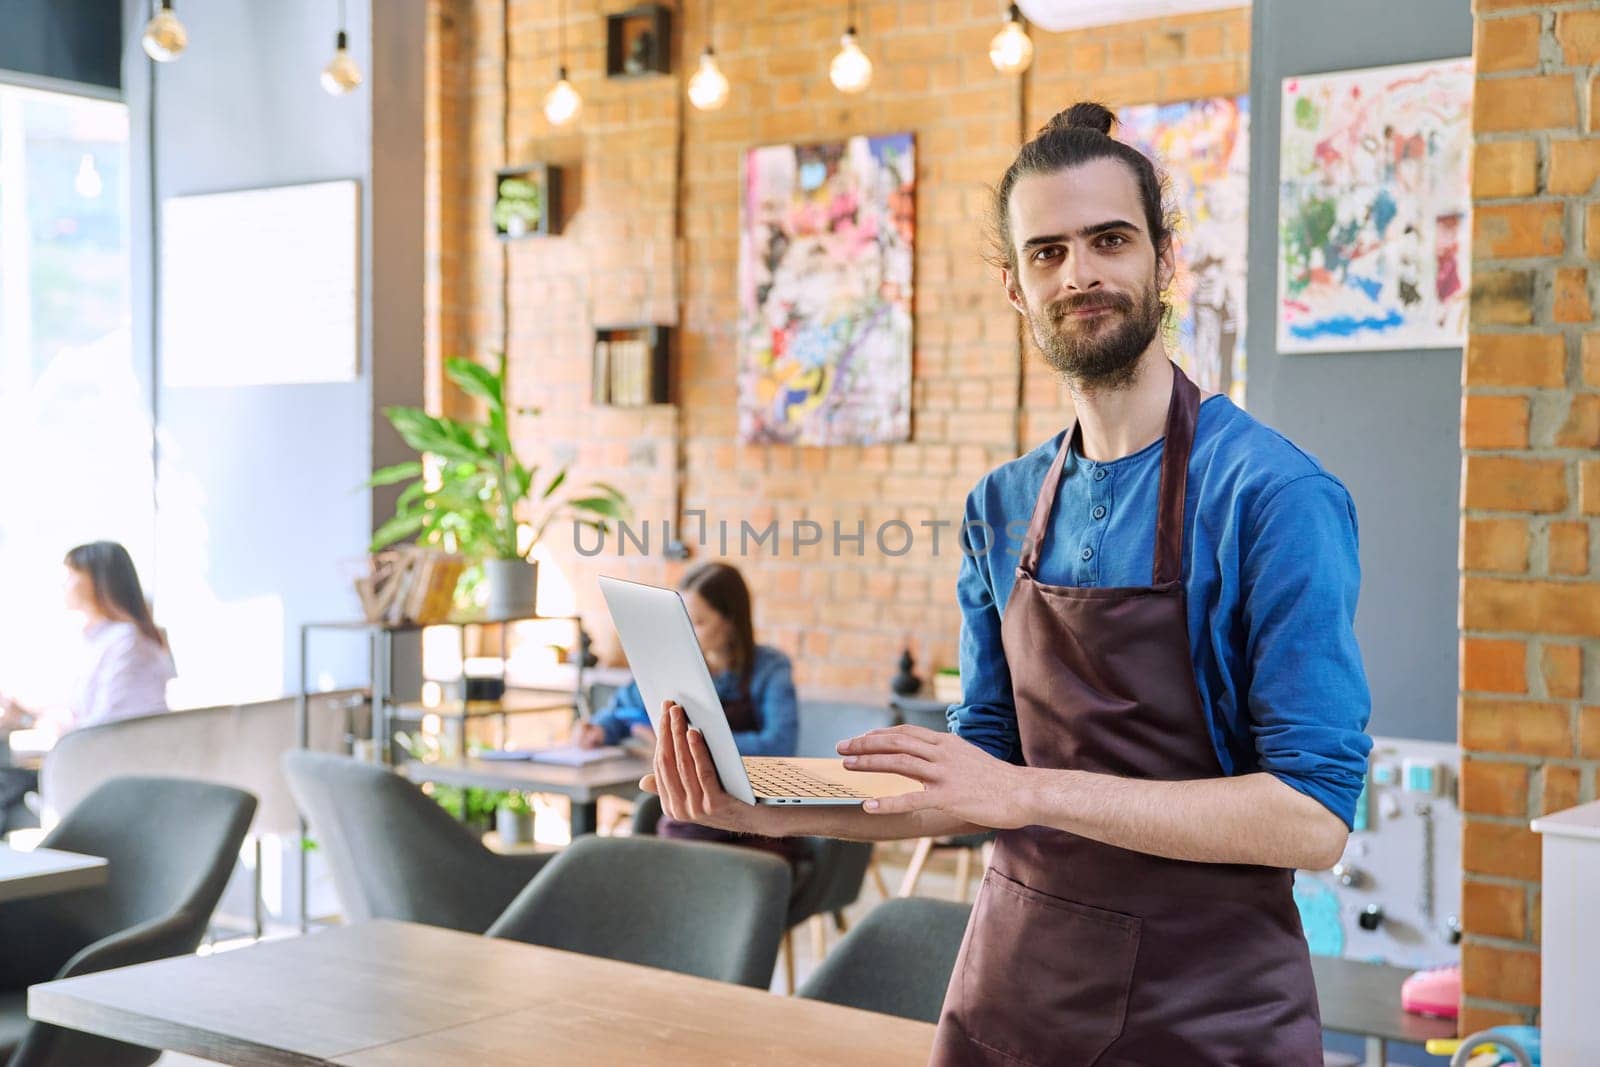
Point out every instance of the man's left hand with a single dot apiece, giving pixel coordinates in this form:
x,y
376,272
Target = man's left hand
x,y
959,779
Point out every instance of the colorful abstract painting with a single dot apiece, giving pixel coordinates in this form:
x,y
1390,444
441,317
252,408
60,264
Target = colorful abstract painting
x,y
1373,210
825,259
1204,147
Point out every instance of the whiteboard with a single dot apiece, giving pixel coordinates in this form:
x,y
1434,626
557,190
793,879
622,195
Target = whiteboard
x,y
261,287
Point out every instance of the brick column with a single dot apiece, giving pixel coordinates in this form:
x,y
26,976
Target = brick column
x,y
1530,602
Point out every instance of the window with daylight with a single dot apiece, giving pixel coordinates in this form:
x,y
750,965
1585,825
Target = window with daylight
x,y
75,415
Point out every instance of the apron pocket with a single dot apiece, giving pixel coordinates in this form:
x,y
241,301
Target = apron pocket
x,y
1045,980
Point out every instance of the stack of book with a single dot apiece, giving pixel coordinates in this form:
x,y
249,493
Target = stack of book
x,y
410,584
623,371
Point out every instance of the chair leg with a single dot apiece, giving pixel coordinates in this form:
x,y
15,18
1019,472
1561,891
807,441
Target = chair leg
x,y
963,874
819,939
840,923
257,885
621,813
919,859
788,961
877,875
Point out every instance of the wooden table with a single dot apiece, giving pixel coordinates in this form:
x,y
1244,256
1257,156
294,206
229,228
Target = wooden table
x,y
391,994
1364,998
583,785
45,870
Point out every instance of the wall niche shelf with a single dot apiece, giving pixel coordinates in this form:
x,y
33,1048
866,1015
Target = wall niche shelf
x,y
639,42
527,201
631,365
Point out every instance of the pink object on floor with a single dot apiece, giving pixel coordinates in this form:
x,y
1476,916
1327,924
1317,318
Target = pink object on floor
x,y
1436,991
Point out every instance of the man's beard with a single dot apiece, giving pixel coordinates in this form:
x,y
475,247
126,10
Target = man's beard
x,y
1096,354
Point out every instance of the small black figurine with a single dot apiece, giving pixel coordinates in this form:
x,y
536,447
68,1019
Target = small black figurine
x,y
586,658
905,683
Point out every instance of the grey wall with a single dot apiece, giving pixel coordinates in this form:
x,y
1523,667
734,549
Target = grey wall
x,y
1387,423
274,473
66,40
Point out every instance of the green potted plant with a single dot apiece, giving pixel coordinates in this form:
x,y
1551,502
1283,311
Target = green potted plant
x,y
513,820
470,493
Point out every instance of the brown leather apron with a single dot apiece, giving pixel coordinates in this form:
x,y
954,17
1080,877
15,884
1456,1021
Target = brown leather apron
x,y
1083,953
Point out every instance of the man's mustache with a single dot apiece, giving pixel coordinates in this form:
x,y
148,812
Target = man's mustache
x,y
1088,302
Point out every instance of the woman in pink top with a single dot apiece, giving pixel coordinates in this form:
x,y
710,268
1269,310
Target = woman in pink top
x,y
124,667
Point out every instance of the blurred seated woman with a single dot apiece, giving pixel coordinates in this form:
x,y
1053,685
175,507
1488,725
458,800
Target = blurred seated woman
x,y
755,682
124,662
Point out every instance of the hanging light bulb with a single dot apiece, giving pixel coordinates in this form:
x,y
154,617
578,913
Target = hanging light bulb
x,y
708,89
164,36
562,103
341,74
88,184
1011,51
851,70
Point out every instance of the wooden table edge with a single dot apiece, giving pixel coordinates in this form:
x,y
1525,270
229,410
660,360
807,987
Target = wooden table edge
x,y
47,1003
90,872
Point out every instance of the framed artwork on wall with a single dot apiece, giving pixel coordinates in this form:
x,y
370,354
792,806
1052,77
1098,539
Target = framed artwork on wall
x,y
1204,148
1374,208
825,292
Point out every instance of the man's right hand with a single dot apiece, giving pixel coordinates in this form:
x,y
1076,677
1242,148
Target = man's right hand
x,y
588,735
686,779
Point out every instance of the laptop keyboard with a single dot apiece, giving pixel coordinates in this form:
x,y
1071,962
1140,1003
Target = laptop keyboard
x,y
780,778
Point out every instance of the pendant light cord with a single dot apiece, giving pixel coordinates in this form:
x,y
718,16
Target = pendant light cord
x,y
505,162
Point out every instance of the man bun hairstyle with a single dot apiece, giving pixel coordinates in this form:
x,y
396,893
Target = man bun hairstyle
x,y
1080,134
1085,115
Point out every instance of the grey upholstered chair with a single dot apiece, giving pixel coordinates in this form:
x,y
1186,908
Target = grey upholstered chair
x,y
965,846
715,911
896,961
170,846
394,853
838,867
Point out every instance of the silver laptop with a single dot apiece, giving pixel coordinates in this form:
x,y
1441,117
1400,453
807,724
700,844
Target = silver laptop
x,y
666,661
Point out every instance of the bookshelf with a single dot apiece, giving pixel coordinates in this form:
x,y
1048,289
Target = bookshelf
x,y
631,366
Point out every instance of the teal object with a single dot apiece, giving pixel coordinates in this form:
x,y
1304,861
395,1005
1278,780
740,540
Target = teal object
x,y
1319,916
1420,779
1384,774
1360,820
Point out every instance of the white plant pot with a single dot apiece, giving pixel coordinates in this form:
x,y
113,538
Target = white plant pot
x,y
513,587
513,827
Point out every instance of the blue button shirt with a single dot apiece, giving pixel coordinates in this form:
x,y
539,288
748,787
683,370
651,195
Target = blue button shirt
x,y
1270,568
771,691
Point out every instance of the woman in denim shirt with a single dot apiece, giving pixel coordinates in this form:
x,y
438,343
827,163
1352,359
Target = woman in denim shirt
x,y
755,683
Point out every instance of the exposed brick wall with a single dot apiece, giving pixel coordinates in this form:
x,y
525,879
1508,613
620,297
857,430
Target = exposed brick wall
x,y
653,240
1530,598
